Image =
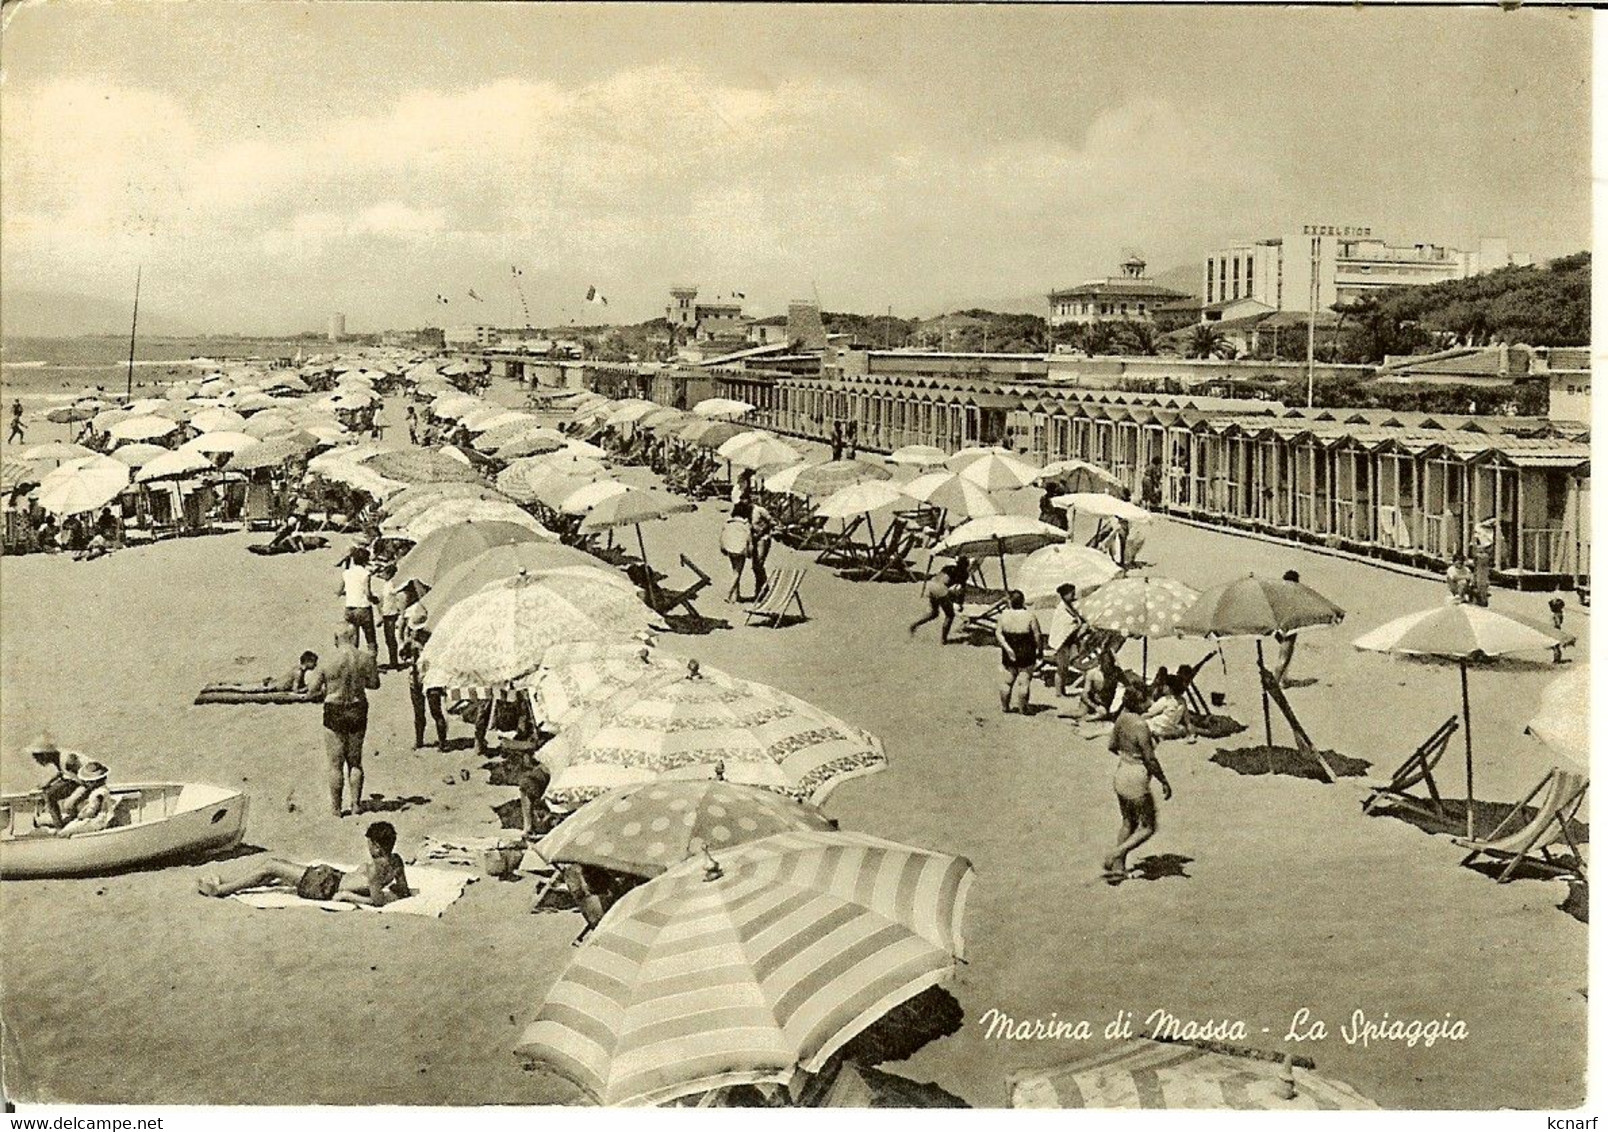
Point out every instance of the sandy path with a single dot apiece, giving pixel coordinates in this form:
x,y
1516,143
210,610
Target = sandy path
x,y
1292,898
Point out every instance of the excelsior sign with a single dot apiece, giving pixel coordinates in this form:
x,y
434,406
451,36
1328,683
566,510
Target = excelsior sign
x,y
1334,230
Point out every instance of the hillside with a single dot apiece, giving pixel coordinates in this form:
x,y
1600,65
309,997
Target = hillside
x,y
52,314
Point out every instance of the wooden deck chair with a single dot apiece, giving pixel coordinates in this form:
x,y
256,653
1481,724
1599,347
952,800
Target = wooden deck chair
x,y
1303,742
781,591
1562,793
664,601
1417,769
889,558
842,550
259,509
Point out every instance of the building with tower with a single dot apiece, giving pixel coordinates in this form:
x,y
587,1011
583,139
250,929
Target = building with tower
x,y
1129,297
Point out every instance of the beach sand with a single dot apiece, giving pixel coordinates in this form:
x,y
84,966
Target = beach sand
x,y
1288,896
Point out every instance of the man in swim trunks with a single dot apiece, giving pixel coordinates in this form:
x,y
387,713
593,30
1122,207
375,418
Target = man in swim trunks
x,y
384,877
344,682
941,591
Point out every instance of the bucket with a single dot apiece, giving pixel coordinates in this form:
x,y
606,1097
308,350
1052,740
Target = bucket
x,y
1219,699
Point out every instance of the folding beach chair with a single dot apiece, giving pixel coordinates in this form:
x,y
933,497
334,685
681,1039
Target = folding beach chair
x,y
1303,742
1563,793
888,558
781,591
664,601
259,508
1417,769
842,550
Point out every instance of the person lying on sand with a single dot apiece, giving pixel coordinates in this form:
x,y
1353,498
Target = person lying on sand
x,y
295,680
383,880
89,808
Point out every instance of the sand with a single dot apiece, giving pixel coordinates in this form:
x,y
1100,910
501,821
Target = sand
x,y
1288,896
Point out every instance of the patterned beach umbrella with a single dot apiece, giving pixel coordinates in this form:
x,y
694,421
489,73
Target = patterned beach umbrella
x,y
702,724
512,560
1077,475
644,830
419,497
758,450
421,465
999,534
452,511
684,987
271,453
633,507
533,443
1142,1073
444,548
817,481
575,677
494,439
266,424
952,492
1138,607
918,456
1257,607
82,485
588,496
1045,571
498,635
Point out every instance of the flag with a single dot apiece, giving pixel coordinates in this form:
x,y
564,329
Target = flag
x,y
474,296
593,297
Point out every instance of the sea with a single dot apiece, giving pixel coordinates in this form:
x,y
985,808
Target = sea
x,y
43,372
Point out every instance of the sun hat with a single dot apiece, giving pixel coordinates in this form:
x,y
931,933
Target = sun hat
x,y
92,772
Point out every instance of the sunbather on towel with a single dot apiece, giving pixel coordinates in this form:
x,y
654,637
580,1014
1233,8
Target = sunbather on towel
x,y
383,880
295,680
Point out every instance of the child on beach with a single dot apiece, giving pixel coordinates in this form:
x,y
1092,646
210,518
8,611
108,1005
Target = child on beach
x,y
384,877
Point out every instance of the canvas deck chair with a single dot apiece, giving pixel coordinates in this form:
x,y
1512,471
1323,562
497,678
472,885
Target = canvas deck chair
x,y
842,550
258,512
1418,769
1562,793
781,592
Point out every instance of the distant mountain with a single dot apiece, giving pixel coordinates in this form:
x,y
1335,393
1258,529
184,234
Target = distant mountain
x,y
52,314
1185,277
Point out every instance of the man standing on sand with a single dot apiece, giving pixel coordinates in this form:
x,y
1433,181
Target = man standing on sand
x,y
16,423
357,586
345,681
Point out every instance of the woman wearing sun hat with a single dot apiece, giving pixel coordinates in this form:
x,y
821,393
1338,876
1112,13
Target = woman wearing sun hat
x,y
91,806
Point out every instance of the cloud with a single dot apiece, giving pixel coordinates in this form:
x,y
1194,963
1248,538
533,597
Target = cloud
x,y
627,180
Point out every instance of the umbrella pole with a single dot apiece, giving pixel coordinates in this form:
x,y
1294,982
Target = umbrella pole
x,y
1144,662
1267,715
1468,746
1004,577
647,571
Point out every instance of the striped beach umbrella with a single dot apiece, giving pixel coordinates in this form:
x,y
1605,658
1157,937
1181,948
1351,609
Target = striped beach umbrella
x,y
416,498
703,723
820,480
952,493
443,549
536,442
512,560
1142,1073
996,471
500,634
749,964
450,511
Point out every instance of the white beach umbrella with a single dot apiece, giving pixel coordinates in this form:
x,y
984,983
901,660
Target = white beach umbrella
x,y
142,428
1099,503
722,408
953,493
918,456
212,443
137,455
173,465
859,499
588,496
217,420
82,485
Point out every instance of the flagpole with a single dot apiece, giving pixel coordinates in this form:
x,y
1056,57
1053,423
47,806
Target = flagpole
x,y
133,327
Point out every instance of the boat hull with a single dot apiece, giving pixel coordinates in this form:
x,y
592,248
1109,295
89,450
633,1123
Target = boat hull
x,y
195,821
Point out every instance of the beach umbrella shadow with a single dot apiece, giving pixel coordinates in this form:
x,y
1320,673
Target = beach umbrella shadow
x,y
1576,903
1290,762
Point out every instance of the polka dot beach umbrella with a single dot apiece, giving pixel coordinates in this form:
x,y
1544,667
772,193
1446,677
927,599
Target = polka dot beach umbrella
x,y
749,964
644,830
1138,607
693,723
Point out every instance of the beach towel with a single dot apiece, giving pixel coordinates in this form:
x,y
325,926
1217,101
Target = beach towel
x,y
220,694
468,850
433,891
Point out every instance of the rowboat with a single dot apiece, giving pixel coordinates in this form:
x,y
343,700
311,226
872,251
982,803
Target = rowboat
x,y
154,821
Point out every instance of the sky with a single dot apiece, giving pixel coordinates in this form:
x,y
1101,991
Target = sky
x,y
267,164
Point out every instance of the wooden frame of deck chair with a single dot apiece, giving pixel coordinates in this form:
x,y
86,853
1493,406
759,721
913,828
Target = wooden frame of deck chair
x,y
1565,792
889,557
1274,692
663,601
1417,769
781,591
842,550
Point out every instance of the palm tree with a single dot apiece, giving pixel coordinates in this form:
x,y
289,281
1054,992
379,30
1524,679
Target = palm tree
x,y
1139,338
1205,341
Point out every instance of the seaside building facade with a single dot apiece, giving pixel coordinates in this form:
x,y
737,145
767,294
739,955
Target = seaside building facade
x,y
1343,263
337,326
700,322
1129,297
